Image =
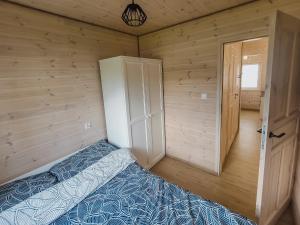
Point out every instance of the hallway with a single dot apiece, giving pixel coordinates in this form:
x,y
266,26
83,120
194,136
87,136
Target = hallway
x,y
236,187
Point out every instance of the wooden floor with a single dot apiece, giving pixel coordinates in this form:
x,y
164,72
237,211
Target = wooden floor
x,y
236,187
287,218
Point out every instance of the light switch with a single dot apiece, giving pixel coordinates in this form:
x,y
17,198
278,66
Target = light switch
x,y
87,125
203,96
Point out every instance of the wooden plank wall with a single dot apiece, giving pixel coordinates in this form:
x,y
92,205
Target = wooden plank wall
x,y
296,193
190,54
250,99
256,52
50,86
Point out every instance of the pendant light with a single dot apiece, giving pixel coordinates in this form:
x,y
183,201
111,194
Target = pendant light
x,y
134,15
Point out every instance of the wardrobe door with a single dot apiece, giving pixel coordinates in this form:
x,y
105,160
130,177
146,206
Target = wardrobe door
x,y
155,114
136,100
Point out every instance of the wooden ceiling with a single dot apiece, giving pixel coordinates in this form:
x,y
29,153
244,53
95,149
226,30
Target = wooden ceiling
x,y
107,13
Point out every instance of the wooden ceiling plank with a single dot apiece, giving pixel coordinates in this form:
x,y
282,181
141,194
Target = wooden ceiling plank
x,y
105,13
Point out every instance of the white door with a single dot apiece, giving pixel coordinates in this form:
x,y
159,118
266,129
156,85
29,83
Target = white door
x,y
155,114
280,120
137,111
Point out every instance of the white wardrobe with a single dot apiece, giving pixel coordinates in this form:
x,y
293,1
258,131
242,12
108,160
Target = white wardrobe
x,y
133,101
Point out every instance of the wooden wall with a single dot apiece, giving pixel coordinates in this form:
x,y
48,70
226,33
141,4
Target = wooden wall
x,y
49,82
190,54
250,99
296,191
256,52
296,194
50,86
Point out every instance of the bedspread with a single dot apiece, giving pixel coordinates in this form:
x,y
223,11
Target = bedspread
x,y
136,196
48,205
133,197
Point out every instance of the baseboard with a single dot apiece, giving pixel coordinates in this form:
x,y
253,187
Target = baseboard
x,y
43,168
296,213
156,160
194,165
250,109
274,219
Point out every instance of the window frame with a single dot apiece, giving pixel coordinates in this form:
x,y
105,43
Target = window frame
x,y
258,88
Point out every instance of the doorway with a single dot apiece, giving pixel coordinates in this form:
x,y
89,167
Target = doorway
x,y
279,114
244,75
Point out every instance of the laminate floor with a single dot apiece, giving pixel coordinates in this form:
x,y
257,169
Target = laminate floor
x,y
236,187
287,218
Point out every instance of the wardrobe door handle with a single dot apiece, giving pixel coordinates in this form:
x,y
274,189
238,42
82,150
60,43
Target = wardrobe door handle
x,y
272,135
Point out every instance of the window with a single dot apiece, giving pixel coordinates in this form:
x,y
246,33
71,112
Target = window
x,y
250,75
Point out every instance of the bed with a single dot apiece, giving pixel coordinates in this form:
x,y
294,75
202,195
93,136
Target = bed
x,y
124,194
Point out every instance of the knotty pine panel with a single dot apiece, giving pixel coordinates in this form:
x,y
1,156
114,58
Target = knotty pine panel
x,y
190,57
50,86
256,52
296,190
107,13
251,99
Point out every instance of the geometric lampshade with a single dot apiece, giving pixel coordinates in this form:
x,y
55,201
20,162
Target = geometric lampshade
x,y
134,15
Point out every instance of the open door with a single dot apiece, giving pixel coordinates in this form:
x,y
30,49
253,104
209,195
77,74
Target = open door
x,y
280,120
235,89
230,96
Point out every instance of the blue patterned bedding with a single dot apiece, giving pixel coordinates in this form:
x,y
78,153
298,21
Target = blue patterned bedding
x,y
80,161
134,196
17,191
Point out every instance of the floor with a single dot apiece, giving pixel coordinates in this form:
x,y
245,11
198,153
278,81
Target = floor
x,y
286,218
236,187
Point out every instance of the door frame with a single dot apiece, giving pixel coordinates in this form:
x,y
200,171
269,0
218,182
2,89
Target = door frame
x,y
219,94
